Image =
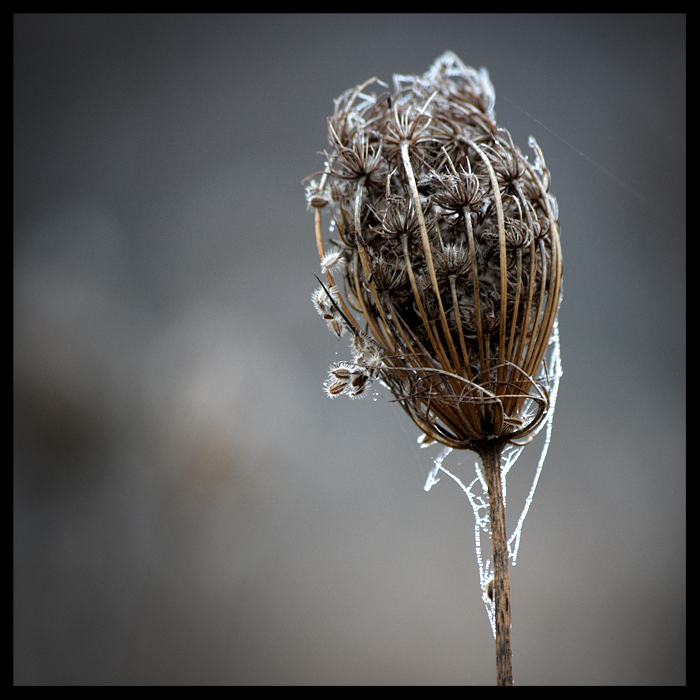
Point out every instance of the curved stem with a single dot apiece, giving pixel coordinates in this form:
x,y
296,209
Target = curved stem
x,y
426,251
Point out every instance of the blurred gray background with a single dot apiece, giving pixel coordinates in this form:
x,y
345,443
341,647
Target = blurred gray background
x,y
189,507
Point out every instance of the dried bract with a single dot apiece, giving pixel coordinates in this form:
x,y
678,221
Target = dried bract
x,y
446,249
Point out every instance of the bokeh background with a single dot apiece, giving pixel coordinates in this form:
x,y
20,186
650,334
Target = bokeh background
x,y
189,507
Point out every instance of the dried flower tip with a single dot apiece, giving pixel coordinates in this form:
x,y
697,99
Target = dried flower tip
x,y
336,324
334,388
332,262
363,346
341,371
358,385
316,197
347,378
320,301
371,363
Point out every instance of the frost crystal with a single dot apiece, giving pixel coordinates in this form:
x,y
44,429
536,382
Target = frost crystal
x,y
477,492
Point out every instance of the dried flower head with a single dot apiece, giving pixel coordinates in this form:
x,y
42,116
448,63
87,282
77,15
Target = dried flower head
x,y
446,248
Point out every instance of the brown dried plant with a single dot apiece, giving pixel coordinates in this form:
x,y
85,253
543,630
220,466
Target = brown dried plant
x,y
445,268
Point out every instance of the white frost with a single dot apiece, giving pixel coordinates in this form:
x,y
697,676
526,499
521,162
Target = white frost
x,y
478,499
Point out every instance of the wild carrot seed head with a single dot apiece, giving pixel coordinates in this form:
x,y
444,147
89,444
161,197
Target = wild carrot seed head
x,y
446,246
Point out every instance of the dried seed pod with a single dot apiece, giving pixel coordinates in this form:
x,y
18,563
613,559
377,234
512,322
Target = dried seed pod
x,y
448,252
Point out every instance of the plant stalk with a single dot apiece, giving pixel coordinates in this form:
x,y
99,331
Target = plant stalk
x,y
491,459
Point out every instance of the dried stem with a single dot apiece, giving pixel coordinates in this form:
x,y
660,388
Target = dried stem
x,y
491,459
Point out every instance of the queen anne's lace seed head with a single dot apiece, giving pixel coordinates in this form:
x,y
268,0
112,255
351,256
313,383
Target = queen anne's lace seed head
x,y
446,245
